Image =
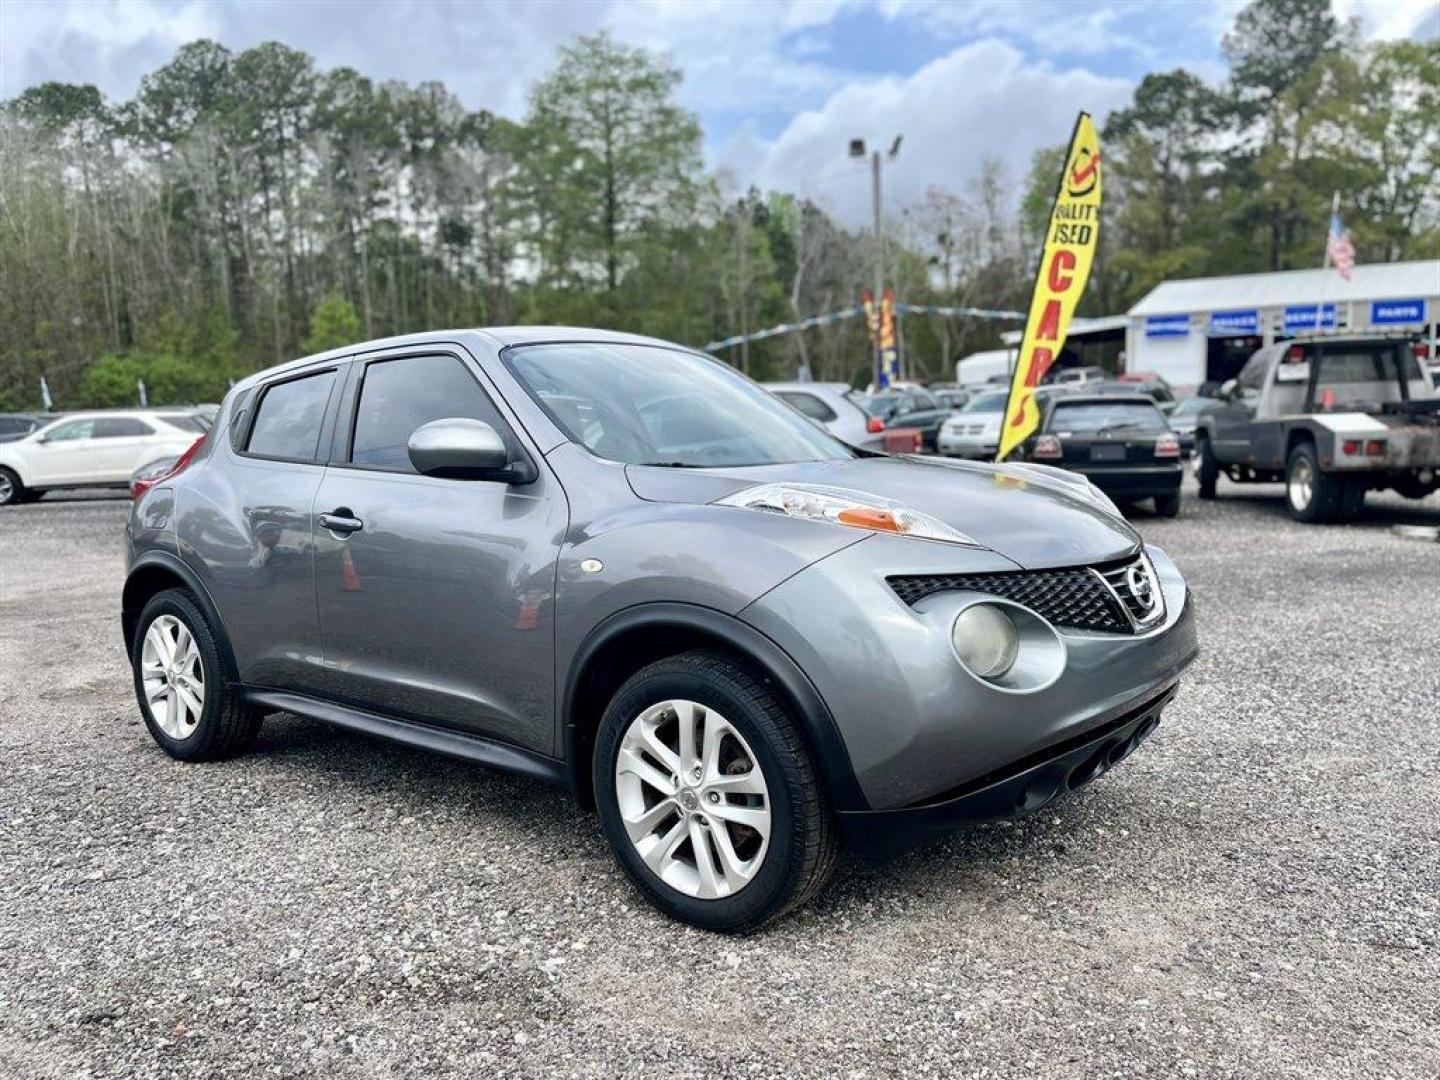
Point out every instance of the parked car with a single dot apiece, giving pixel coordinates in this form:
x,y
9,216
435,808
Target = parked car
x,y
911,407
741,640
1077,376
974,432
1122,445
91,450
145,476
1183,418
1332,418
1156,389
953,398
844,412
17,425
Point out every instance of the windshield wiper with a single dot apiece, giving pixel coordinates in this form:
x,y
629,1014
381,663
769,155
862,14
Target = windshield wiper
x,y
673,465
1122,426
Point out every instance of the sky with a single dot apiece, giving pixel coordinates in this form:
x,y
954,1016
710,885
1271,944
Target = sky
x,y
780,86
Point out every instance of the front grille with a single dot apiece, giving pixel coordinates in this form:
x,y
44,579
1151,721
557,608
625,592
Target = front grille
x,y
1079,597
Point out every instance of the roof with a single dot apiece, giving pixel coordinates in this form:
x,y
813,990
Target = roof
x,y
1377,281
1079,328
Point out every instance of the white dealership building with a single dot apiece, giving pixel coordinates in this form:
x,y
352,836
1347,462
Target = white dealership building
x,y
1202,330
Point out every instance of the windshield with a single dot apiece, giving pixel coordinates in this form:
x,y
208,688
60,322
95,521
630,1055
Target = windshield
x,y
992,402
645,405
1097,416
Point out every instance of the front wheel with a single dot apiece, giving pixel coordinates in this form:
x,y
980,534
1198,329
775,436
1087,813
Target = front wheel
x,y
1207,470
708,795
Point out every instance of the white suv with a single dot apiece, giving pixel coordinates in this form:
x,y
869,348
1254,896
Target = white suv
x,y
98,449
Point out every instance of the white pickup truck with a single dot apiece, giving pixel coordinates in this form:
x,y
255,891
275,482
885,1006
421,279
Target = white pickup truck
x,y
96,449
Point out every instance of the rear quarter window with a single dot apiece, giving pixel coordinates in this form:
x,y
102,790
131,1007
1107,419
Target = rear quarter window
x,y
289,417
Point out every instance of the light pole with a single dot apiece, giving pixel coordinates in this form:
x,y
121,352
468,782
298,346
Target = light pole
x,y
857,151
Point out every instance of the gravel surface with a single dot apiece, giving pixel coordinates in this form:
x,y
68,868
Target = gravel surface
x,y
1255,893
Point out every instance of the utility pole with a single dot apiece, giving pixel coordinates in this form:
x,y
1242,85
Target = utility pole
x,y
857,150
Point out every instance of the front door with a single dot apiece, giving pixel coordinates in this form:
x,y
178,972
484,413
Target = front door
x,y
65,456
436,596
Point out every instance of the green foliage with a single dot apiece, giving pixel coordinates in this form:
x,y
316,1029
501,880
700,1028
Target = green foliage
x,y
245,208
333,324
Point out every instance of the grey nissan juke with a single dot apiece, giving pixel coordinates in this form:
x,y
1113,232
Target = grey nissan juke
x,y
617,564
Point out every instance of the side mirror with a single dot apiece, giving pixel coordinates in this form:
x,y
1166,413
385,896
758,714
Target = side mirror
x,y
462,449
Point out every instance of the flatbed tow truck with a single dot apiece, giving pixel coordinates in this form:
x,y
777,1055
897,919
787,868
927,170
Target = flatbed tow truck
x,y
1332,417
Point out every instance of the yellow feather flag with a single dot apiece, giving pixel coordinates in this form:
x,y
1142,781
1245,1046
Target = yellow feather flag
x,y
1064,268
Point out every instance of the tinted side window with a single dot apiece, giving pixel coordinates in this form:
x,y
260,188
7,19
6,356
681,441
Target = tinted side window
x,y
809,404
288,422
399,396
120,427
11,424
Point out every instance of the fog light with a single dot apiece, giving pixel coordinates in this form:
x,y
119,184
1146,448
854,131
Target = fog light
x,y
986,640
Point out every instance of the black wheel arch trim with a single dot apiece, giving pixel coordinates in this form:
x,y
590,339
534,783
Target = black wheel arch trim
x,y
164,560
818,724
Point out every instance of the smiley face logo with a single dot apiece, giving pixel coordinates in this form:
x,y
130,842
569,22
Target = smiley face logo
x,y
1083,173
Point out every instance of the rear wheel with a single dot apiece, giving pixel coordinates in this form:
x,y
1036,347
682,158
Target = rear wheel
x,y
11,490
1207,471
708,796
189,706
1312,496
1168,505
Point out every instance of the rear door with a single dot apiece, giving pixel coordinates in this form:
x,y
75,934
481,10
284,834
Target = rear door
x,y
245,527
438,605
121,442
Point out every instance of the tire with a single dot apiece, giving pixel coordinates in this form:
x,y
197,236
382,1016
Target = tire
x,y
1352,499
1311,496
1168,505
12,491
1208,470
772,874
224,726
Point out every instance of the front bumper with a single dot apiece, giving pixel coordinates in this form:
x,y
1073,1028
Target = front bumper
x,y
1020,788
915,724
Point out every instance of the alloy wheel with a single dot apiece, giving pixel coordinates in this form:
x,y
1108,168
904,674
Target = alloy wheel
x,y
693,799
7,489
173,677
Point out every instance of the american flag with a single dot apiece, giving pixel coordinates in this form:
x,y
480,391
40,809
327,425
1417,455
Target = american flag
x,y
1338,248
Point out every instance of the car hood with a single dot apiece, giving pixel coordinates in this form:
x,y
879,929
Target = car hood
x,y
1033,515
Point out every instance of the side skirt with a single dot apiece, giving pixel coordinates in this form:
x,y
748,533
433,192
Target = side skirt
x,y
438,740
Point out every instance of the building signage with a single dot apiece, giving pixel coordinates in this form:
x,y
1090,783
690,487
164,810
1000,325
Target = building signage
x,y
1163,326
1223,323
1397,312
1309,317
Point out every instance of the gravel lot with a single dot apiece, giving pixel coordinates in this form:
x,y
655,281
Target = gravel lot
x,y
1256,893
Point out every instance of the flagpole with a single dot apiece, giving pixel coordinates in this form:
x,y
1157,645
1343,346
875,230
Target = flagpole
x,y
1334,209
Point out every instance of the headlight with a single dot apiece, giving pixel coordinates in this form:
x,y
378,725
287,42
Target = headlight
x,y
986,640
858,509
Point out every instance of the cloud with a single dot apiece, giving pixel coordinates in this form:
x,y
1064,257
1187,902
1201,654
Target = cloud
x,y
985,99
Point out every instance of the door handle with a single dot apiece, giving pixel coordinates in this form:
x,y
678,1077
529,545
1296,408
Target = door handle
x,y
342,521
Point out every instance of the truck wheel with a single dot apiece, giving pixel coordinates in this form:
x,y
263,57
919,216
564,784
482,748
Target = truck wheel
x,y
1312,496
708,795
1209,469
1352,499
